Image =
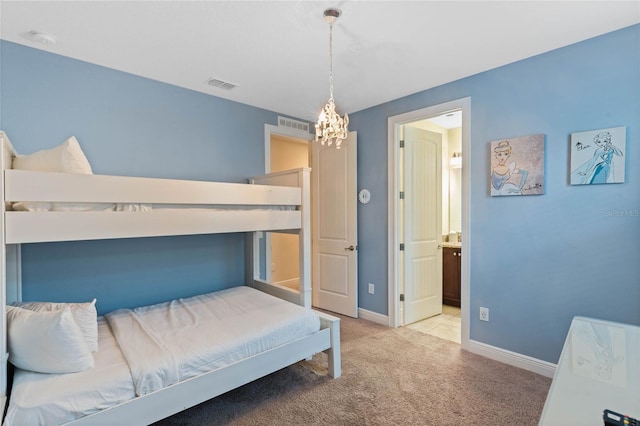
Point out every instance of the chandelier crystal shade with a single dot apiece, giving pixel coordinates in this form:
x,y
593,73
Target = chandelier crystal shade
x,y
331,128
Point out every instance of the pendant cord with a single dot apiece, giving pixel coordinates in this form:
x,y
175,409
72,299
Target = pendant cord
x,y
331,62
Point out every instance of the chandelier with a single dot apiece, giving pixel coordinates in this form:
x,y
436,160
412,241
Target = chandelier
x,y
331,128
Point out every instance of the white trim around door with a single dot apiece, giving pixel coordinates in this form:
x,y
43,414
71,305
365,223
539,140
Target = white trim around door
x,y
394,124
270,130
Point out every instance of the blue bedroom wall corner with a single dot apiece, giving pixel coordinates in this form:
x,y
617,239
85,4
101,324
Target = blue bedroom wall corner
x,y
535,261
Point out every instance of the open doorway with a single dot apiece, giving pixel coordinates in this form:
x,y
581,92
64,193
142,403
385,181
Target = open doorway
x,y
451,121
444,321
286,153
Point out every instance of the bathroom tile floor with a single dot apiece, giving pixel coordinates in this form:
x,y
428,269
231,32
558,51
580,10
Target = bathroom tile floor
x,y
445,326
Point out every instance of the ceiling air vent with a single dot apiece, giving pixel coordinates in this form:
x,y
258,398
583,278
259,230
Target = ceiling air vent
x,y
293,124
220,84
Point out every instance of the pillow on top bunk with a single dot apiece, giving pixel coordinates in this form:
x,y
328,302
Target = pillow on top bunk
x,y
46,342
66,158
84,314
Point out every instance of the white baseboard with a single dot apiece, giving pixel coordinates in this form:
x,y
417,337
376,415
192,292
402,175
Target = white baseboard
x,y
515,359
373,317
525,362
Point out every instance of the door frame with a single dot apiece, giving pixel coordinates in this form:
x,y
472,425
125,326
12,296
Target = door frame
x,y
394,124
269,131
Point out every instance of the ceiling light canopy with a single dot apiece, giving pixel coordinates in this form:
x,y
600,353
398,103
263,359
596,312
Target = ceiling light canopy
x,y
331,128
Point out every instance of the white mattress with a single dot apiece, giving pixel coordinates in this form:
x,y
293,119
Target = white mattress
x,y
204,332
195,335
48,399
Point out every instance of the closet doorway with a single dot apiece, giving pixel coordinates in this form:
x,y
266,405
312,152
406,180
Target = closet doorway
x,y
432,216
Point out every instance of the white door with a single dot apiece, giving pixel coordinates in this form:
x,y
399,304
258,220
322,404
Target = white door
x,y
334,231
422,220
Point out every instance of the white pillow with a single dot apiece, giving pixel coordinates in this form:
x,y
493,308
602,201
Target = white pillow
x,y
67,158
46,342
84,314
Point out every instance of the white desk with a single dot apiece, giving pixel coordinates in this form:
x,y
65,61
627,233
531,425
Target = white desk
x,y
599,369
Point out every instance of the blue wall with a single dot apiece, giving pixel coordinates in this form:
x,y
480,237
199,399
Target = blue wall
x,y
535,261
1,84
132,126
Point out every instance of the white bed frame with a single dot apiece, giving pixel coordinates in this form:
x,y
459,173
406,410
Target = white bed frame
x,y
285,188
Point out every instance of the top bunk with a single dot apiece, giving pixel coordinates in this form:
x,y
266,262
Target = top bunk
x,y
46,206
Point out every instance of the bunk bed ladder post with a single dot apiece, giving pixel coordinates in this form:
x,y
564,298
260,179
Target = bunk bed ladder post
x,y
252,258
3,297
10,267
5,161
304,177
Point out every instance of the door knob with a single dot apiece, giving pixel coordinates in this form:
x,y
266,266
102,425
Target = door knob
x,y
350,248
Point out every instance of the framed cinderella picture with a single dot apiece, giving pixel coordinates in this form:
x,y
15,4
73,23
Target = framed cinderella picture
x,y
517,166
598,156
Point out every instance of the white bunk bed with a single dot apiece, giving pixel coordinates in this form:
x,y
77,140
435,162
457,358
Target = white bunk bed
x,y
279,189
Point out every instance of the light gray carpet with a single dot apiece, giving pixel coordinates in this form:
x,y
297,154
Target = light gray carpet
x,y
390,377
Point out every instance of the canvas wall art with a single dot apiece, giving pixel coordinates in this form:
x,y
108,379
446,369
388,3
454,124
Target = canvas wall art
x,y
597,156
517,166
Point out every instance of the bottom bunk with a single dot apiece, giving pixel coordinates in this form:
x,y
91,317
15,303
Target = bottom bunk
x,y
158,360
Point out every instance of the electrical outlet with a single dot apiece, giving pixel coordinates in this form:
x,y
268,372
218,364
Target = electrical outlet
x,y
371,288
484,314
273,267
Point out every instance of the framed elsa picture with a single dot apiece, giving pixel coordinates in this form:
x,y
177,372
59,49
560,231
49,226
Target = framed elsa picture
x,y
597,156
517,166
